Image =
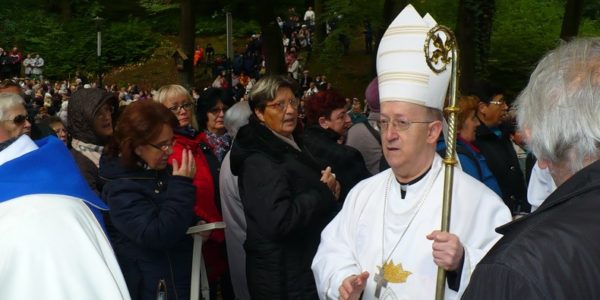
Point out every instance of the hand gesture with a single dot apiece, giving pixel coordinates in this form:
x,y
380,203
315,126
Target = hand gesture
x,y
447,249
188,165
328,178
353,286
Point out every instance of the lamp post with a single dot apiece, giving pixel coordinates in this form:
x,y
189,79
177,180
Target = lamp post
x,y
98,22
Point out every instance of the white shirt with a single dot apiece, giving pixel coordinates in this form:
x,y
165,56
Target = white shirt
x,y
541,185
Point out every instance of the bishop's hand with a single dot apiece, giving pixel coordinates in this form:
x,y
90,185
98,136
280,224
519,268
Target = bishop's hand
x,y
353,286
447,250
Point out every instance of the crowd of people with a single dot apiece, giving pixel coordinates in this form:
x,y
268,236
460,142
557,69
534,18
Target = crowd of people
x,y
321,198
12,63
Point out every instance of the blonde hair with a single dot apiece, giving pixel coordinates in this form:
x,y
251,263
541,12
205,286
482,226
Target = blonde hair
x,y
172,90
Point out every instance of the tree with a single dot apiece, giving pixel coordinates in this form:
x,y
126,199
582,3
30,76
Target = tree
x,y
271,38
473,33
391,8
186,41
571,20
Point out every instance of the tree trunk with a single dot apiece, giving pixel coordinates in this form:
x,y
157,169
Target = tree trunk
x,y
320,29
473,33
65,10
272,46
186,43
571,20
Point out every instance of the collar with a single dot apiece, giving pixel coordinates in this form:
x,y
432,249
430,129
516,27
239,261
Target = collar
x,y
43,167
289,140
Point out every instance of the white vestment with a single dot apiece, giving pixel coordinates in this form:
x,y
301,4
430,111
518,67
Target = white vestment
x,y
51,245
352,242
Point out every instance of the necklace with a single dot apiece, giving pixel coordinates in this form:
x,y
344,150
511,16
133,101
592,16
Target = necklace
x,y
388,271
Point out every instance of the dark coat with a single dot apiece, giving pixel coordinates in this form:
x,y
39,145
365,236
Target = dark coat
x,y
551,253
504,164
151,211
286,207
346,162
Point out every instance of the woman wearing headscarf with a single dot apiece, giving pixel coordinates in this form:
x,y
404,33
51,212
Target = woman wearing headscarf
x,y
288,199
91,113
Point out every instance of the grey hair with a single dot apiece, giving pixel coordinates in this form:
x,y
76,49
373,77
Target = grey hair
x,y
560,107
265,90
9,101
173,90
236,117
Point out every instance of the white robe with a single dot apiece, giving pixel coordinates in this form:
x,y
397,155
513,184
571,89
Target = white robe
x,y
52,246
352,242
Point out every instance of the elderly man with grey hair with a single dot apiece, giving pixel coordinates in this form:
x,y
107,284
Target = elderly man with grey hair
x,y
553,252
46,224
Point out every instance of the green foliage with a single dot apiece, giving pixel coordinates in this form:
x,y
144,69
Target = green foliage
x,y
157,6
523,31
70,46
128,42
216,26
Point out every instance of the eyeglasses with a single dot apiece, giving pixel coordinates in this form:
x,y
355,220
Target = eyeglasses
x,y
217,110
501,102
19,120
282,105
165,146
398,124
187,106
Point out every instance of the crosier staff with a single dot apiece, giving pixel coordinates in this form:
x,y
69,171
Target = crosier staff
x,y
444,52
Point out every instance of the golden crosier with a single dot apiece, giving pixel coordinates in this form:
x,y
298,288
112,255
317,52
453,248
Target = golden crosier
x,y
445,52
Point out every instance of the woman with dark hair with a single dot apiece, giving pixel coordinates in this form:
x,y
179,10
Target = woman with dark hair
x,y
327,123
288,198
212,105
151,204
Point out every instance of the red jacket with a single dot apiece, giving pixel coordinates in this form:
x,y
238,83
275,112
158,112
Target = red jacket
x,y
206,207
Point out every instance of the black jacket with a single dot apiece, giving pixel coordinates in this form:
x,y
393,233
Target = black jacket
x,y
504,164
553,253
346,162
151,212
286,207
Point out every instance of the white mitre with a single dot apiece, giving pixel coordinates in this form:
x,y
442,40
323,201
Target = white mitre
x,y
402,70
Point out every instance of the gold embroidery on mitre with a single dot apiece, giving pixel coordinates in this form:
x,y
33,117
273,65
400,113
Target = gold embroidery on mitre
x,y
394,273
